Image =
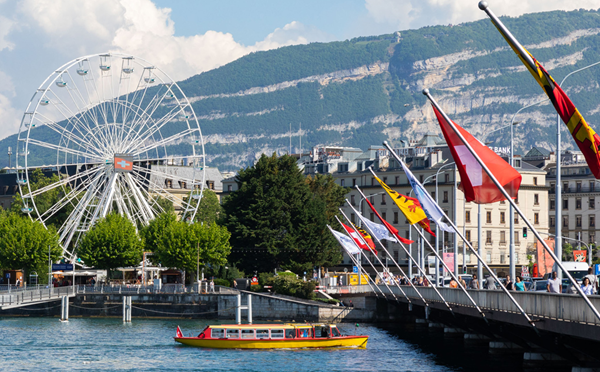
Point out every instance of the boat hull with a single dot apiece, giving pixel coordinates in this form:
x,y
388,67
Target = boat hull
x,y
349,341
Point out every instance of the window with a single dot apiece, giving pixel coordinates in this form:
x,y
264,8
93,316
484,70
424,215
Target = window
x,y
305,332
247,333
396,218
516,221
566,221
447,178
488,217
577,221
421,178
592,221
468,216
396,256
433,195
488,257
552,204
592,237
445,196
229,188
397,180
385,180
577,203
277,333
352,218
290,333
342,183
578,186
552,222
517,199
502,237
233,333
488,237
592,186
516,237
372,200
552,187
217,333
517,163
468,235
372,217
536,218
262,333
383,215
372,181
535,181
592,203
566,204
352,200
502,219
210,185
502,257
536,199
383,199
353,182
565,187
169,183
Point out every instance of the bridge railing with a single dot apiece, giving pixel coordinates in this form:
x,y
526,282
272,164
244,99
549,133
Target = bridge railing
x,y
566,307
151,289
35,295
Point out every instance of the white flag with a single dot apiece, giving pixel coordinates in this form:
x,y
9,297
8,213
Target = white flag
x,y
345,241
378,230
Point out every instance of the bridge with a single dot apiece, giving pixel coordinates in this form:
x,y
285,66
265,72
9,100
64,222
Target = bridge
x,y
32,296
563,328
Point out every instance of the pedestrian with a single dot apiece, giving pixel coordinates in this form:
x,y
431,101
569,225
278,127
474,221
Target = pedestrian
x,y
490,283
234,284
593,280
425,282
420,281
586,286
554,285
509,284
462,282
519,285
212,286
474,283
453,283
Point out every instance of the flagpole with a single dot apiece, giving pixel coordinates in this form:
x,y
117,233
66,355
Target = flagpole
x,y
453,274
354,261
455,241
394,261
378,260
405,250
479,247
515,206
366,258
514,301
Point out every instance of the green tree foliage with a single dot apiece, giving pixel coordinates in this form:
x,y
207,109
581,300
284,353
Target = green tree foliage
x,y
276,221
112,242
180,244
47,199
209,209
25,244
152,234
163,204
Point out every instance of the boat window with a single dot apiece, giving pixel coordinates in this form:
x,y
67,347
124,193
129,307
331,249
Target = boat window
x,y
233,333
217,333
262,333
335,332
247,333
321,331
305,332
277,333
290,333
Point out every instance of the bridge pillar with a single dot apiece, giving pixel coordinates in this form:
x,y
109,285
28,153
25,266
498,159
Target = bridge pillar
x,y
435,325
64,309
453,331
474,337
504,347
421,321
126,309
539,359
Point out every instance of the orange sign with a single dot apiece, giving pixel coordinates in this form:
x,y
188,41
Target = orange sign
x,y
123,163
579,256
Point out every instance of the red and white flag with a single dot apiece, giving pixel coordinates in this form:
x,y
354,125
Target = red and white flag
x,y
354,235
475,183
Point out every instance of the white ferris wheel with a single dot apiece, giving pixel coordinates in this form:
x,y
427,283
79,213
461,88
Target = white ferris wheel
x,y
119,133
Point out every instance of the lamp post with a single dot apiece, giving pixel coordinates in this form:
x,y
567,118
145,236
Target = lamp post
x,y
558,215
360,208
420,247
437,239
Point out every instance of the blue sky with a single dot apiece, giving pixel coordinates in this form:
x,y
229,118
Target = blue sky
x,y
185,38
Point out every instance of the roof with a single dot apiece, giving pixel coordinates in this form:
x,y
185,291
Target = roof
x,y
537,151
430,139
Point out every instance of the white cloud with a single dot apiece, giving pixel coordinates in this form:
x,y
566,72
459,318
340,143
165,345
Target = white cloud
x,y
409,14
10,117
6,26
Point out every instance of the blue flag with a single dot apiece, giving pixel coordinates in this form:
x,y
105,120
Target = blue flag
x,y
432,210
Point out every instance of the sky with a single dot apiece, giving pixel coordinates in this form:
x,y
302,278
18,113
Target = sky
x,y
185,38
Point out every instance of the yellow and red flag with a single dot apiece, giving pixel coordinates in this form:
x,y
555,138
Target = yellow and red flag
x,y
365,236
585,137
410,207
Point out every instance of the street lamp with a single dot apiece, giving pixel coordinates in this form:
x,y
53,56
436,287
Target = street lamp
x,y
437,239
558,215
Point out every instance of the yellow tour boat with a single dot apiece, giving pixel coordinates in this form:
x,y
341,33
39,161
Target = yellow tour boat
x,y
272,336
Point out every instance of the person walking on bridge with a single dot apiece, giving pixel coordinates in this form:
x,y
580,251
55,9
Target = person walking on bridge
x,y
554,285
474,283
519,285
490,283
586,287
509,284
593,280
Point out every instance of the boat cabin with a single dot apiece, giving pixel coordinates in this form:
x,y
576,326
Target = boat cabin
x,y
270,331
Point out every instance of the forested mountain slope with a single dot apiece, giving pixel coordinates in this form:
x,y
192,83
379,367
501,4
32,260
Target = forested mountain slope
x,y
363,91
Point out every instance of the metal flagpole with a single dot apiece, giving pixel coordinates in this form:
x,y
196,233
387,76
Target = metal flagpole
x,y
369,261
410,253
455,241
517,209
479,246
517,305
354,261
388,253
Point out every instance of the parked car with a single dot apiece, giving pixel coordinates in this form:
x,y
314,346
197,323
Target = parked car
x,y
539,286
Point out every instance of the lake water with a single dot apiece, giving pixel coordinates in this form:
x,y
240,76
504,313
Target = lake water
x,y
147,344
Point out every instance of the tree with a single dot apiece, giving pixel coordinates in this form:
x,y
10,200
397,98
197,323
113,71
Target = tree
x,y
25,244
209,209
182,245
331,193
163,204
152,233
276,221
112,242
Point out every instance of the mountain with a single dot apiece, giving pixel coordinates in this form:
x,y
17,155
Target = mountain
x,y
362,91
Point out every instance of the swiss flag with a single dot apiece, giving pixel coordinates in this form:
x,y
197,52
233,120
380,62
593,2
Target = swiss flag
x,y
123,164
357,239
475,183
